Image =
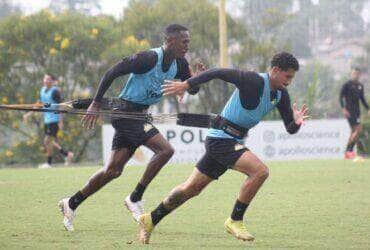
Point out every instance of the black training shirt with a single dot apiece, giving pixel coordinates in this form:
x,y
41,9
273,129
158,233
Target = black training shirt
x,y
350,95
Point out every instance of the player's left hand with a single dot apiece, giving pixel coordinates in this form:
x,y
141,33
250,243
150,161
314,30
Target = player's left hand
x,y
199,67
174,88
368,112
300,115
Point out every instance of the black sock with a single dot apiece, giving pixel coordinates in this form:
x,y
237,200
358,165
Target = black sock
x,y
360,146
159,213
50,159
350,146
137,194
76,200
239,210
63,152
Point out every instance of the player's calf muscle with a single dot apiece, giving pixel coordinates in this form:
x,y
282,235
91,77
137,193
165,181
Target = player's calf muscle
x,y
175,199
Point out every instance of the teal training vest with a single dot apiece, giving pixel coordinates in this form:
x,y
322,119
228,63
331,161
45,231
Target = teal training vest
x,y
46,96
234,111
146,88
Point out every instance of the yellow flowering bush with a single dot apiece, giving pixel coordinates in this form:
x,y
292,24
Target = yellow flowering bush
x,y
131,43
144,43
64,44
52,51
57,38
50,43
15,124
95,31
130,40
9,153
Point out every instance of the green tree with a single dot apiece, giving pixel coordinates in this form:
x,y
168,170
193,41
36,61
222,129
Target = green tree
x,y
363,61
266,22
315,85
147,19
70,45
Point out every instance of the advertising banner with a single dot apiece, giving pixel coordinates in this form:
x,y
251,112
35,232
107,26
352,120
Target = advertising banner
x,y
317,139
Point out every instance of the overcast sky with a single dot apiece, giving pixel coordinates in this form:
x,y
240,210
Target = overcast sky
x,y
114,7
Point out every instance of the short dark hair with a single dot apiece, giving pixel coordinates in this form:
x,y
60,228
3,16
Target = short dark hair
x,y
51,76
357,69
285,61
174,30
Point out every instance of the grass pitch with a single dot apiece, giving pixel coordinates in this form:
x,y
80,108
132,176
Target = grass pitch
x,y
303,205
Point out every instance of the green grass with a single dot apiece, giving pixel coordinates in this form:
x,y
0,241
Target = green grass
x,y
303,205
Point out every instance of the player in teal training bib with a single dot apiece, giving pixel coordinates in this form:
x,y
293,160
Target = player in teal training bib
x,y
254,97
51,94
147,71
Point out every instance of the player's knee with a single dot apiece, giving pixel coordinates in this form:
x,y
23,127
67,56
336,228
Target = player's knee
x,y
263,173
113,171
168,152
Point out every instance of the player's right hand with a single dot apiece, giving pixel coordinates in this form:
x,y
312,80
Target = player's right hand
x,y
345,113
89,120
174,88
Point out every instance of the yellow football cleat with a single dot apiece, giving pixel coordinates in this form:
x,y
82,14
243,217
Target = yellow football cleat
x,y
146,228
238,229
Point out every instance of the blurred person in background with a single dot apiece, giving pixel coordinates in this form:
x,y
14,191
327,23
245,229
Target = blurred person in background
x,y
51,94
351,94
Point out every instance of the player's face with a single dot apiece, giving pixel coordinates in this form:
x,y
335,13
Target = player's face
x,y
283,78
48,81
356,75
180,44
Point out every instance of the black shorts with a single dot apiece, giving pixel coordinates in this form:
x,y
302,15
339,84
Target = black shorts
x,y
221,154
131,134
354,120
51,129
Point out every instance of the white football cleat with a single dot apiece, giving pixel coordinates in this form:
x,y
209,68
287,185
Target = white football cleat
x,y
68,214
44,166
136,208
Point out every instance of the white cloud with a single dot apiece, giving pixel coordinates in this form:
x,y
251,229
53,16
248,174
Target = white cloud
x,y
111,7
31,6
366,13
